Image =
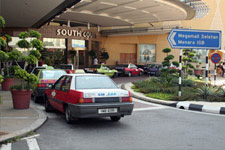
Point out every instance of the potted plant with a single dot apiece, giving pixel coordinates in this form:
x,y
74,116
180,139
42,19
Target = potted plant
x,y
21,94
5,58
197,70
6,61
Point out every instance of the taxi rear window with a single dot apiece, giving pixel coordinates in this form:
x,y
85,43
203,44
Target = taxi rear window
x,y
51,74
94,82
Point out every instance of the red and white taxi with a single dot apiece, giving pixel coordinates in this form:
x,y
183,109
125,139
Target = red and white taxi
x,y
88,95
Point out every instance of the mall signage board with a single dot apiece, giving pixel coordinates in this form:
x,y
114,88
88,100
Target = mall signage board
x,y
195,39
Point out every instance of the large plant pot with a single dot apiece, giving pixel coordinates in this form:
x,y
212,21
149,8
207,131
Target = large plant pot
x,y
21,99
7,83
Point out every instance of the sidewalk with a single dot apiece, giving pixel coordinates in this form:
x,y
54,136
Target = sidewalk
x,y
209,107
17,122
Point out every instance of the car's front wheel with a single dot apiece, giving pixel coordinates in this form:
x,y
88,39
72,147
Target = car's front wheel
x,y
140,73
36,98
129,74
115,75
115,118
68,116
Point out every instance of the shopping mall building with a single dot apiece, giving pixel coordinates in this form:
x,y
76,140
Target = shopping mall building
x,y
125,28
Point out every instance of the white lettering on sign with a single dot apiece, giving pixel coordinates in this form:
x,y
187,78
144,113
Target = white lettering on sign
x,y
77,33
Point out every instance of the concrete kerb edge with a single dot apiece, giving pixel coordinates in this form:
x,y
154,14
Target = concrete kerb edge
x,y
180,105
42,118
141,96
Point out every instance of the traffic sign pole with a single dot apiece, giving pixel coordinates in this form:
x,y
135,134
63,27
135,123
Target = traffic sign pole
x,y
180,68
207,68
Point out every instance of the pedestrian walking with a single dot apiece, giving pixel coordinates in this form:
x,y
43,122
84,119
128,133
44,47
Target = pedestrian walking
x,y
223,69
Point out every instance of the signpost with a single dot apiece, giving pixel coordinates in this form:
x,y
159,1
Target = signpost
x,y
194,39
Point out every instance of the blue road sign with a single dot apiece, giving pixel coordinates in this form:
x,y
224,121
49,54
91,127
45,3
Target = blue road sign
x,y
215,58
198,39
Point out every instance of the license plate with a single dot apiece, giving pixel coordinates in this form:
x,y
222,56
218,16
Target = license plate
x,y
107,110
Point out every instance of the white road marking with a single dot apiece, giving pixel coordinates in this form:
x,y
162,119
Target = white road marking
x,y
6,146
149,108
32,144
29,137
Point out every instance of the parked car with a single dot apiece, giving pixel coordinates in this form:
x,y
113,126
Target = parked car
x,y
129,70
87,96
154,69
144,67
67,67
36,69
46,77
102,69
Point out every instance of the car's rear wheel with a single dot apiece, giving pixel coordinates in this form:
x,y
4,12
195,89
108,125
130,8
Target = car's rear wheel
x,y
115,118
48,106
129,74
68,116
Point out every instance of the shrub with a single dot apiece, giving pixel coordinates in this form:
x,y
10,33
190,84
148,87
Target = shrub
x,y
206,91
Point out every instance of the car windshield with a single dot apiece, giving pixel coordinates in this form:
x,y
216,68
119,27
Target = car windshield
x,y
94,82
65,67
154,66
52,74
95,66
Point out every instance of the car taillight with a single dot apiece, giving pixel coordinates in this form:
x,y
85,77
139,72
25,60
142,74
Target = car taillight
x,y
85,100
42,85
127,99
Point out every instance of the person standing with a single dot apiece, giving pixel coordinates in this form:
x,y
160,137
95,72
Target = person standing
x,y
95,61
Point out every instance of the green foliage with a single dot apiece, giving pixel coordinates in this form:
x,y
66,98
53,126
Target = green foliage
x,y
23,35
206,91
15,55
2,22
166,50
35,53
159,95
2,42
36,43
8,38
1,78
175,63
31,59
170,57
3,56
34,33
24,75
23,44
221,92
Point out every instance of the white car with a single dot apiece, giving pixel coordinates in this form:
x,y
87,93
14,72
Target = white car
x,y
88,95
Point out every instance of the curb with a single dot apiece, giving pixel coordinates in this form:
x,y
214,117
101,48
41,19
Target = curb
x,y
203,108
34,126
148,99
180,105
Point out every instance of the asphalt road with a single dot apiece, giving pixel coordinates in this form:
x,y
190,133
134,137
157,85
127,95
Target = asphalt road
x,y
150,126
